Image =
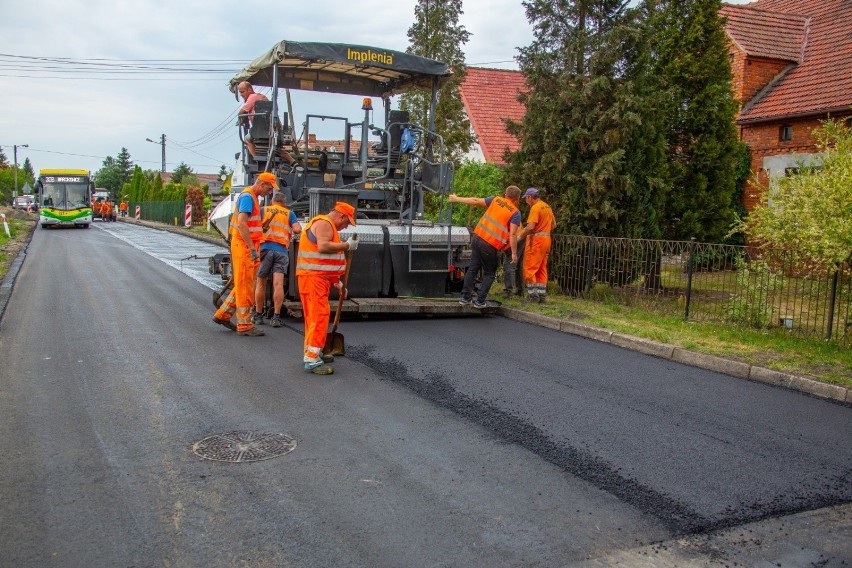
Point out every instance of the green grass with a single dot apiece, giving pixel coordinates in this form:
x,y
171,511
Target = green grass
x,y
19,230
774,348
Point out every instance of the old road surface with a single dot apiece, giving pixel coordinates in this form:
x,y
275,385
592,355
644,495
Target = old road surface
x,y
442,442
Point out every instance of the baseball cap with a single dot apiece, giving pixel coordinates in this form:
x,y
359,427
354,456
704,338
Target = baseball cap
x,y
345,209
531,192
268,178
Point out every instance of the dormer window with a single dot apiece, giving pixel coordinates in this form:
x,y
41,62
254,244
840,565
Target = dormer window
x,y
786,133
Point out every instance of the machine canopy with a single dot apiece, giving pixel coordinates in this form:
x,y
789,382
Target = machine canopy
x,y
342,69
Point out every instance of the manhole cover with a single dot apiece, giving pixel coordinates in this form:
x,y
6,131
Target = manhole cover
x,y
237,447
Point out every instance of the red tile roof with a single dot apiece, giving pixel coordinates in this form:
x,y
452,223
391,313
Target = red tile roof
x,y
490,96
765,34
821,81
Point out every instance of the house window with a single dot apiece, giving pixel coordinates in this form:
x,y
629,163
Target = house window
x,y
786,133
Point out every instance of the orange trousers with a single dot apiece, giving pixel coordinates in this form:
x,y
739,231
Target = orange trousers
x,y
241,299
314,291
536,253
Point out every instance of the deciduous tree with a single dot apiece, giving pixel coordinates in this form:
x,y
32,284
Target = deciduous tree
x,y
810,212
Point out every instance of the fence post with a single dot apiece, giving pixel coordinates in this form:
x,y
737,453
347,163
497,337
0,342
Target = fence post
x,y
689,266
831,302
590,266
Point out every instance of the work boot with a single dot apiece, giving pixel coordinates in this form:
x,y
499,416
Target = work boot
x,y
479,304
327,358
252,332
541,298
227,323
465,301
257,319
318,367
276,321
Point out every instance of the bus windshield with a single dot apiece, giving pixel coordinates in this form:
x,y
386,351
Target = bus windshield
x,y
64,195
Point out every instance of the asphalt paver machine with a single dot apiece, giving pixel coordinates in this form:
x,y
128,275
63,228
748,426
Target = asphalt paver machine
x,y
384,165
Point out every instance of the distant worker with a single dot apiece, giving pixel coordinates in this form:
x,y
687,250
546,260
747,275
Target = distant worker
x,y
540,223
495,232
245,233
320,264
250,97
279,225
106,210
122,208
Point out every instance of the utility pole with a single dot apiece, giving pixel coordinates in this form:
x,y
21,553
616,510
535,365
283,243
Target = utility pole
x,y
162,143
15,153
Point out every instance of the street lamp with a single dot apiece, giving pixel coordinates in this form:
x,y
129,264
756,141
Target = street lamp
x,y
162,143
15,153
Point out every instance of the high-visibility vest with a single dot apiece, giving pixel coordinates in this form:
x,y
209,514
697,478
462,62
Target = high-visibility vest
x,y
311,261
493,227
279,227
254,221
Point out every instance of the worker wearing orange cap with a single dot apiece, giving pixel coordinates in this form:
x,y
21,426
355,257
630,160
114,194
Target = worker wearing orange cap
x,y
245,233
319,265
540,222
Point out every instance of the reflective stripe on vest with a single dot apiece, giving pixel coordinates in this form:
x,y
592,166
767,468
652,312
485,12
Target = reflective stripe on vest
x,y
279,232
254,221
542,234
493,227
311,261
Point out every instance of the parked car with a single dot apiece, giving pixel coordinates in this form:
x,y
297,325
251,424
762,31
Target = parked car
x,y
24,201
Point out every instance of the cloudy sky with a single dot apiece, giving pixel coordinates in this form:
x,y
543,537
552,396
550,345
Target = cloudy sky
x,y
64,92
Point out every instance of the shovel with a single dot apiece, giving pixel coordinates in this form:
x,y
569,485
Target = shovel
x,y
334,342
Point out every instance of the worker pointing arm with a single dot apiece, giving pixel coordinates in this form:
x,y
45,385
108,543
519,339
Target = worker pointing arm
x,y
497,230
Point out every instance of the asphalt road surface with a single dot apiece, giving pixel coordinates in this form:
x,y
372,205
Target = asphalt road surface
x,y
437,442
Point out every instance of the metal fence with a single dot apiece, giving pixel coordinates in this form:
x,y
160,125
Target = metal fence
x,y
170,212
708,282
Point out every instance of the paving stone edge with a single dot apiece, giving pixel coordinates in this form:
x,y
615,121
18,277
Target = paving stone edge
x,y
673,353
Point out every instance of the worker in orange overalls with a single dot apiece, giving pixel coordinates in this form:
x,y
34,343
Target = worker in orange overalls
x,y
122,208
540,223
106,210
319,265
245,232
496,231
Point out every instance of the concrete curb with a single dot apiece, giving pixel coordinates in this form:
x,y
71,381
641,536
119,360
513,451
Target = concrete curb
x,y
673,353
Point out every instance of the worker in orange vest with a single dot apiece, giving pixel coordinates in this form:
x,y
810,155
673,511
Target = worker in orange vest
x,y
245,233
319,265
279,225
497,230
122,208
540,223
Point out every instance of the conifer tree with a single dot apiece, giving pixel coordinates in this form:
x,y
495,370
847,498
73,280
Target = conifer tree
x,y
124,166
692,71
590,137
437,34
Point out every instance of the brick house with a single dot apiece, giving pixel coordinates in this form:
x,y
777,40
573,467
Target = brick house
x,y
792,68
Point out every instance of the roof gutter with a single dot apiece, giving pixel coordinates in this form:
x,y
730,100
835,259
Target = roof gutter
x,y
841,111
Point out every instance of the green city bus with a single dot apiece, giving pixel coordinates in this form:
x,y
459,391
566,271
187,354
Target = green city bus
x,y
65,198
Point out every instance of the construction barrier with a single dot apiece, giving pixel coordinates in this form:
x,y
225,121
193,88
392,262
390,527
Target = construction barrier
x,y
187,216
138,212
